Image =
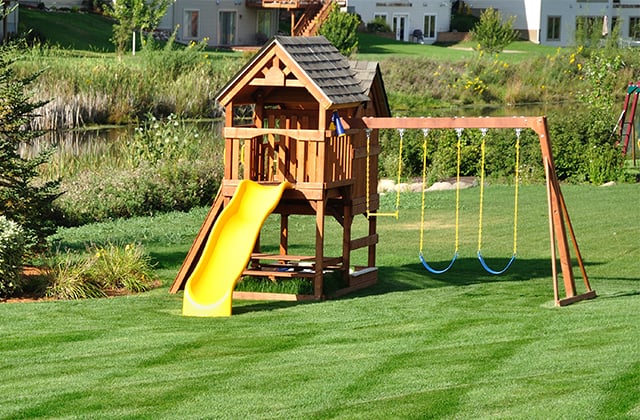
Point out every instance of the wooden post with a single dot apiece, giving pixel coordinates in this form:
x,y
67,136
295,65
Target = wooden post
x,y
346,230
284,234
318,280
556,211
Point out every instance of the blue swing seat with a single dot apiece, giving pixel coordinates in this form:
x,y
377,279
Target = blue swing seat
x,y
433,270
489,270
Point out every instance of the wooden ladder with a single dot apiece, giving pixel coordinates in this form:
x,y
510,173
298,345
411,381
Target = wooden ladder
x,y
626,121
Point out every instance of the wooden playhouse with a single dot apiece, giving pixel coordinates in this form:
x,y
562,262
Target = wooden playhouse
x,y
295,87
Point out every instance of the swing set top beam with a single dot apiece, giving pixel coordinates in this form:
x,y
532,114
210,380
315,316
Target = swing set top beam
x,y
537,124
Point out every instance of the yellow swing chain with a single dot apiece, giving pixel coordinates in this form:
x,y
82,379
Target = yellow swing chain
x,y
425,131
517,179
396,213
459,158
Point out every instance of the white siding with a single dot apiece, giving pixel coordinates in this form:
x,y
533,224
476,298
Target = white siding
x,y
533,15
413,11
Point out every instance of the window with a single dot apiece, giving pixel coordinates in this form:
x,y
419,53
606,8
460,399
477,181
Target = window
x,y
634,28
429,29
265,23
553,28
380,16
190,24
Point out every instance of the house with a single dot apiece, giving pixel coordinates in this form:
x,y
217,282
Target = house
x,y
252,22
9,24
406,17
553,22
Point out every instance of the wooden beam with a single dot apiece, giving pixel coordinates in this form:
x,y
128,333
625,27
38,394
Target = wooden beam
x,y
447,122
250,133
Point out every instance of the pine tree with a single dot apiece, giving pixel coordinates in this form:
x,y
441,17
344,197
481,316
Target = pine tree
x,y
24,198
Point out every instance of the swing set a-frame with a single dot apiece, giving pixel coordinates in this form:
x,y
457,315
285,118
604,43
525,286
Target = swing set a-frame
x,y
560,227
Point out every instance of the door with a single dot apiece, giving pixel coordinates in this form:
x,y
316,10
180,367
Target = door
x,y
400,27
227,27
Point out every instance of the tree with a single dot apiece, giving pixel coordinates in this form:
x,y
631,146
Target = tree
x,y
24,199
134,14
340,29
491,33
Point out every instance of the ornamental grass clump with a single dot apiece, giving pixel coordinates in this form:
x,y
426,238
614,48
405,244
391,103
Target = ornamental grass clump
x,y
106,270
117,268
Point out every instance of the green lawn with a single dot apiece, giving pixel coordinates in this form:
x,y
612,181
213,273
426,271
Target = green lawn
x,y
71,30
462,345
93,32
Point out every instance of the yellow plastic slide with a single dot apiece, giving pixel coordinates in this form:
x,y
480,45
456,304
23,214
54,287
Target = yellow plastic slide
x,y
228,249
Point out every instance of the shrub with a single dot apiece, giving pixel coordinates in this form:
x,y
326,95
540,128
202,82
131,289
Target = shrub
x,y
491,33
462,22
104,270
166,165
24,198
379,24
340,29
12,248
107,194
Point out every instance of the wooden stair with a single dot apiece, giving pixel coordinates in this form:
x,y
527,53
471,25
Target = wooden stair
x,y
312,18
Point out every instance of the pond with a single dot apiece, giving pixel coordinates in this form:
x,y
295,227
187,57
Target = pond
x,y
99,140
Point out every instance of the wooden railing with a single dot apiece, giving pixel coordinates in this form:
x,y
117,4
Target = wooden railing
x,y
312,19
282,4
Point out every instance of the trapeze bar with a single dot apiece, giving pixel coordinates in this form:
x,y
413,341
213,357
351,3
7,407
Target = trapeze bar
x,y
395,214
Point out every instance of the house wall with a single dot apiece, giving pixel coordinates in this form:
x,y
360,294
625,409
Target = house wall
x,y
221,22
533,16
412,12
11,21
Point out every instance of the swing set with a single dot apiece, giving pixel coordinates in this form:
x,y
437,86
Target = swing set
x,y
559,222
484,264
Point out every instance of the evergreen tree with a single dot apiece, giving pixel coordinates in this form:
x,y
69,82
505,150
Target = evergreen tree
x,y
341,30
23,197
491,33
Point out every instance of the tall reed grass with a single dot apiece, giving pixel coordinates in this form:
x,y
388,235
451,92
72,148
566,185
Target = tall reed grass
x,y
93,88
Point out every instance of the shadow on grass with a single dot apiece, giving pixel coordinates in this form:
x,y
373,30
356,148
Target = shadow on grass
x,y
167,260
263,306
464,272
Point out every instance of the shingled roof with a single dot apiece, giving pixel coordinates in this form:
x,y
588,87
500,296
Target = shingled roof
x,y
325,66
368,72
321,63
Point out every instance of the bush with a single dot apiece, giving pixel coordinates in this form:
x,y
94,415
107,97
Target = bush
x,y
12,249
105,270
166,165
491,33
463,22
108,194
378,24
341,29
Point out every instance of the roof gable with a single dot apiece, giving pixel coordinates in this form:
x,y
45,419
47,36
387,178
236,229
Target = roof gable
x,y
370,77
302,62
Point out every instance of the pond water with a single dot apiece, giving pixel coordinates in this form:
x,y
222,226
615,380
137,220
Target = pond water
x,y
102,139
